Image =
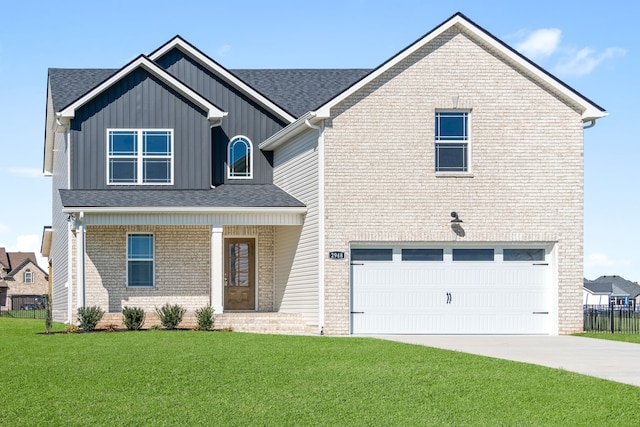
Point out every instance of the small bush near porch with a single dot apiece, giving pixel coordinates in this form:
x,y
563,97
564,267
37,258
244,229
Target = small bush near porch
x,y
230,378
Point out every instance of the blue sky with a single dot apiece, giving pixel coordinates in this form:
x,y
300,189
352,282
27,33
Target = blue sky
x,y
589,45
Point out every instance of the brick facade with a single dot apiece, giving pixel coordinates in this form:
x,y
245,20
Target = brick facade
x,y
526,169
182,267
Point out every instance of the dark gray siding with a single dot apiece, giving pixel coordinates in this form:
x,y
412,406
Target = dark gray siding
x,y
138,101
245,117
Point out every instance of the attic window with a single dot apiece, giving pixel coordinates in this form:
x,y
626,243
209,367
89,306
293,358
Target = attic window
x,y
240,158
140,156
28,276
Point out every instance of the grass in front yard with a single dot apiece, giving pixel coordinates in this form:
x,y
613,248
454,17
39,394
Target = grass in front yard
x,y
222,378
633,338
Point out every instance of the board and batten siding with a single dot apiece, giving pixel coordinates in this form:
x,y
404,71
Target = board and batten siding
x,y
297,248
245,117
140,101
58,254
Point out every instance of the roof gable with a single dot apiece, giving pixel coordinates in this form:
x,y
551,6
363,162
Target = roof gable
x,y
589,110
213,112
179,43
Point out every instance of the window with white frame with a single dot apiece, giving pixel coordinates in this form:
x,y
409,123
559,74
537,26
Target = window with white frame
x,y
28,276
452,141
140,156
140,261
240,158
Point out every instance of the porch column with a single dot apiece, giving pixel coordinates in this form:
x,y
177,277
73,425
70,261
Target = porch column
x,y
80,250
217,255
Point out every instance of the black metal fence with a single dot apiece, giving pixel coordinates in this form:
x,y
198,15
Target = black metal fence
x,y
25,307
611,319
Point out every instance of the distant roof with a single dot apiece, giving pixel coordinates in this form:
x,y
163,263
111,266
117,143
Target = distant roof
x,y
234,196
628,287
14,261
613,285
296,90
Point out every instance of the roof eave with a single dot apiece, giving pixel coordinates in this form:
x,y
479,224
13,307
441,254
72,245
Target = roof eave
x,y
183,209
213,113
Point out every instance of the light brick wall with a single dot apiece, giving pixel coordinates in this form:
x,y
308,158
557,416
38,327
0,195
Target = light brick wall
x,y
526,161
182,268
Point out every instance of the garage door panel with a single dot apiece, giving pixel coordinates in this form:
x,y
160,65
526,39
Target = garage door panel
x,y
450,297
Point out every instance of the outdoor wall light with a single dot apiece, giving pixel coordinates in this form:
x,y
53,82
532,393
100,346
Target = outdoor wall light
x,y
455,219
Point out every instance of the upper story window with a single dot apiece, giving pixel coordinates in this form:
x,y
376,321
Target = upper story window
x,y
452,141
240,158
28,276
140,260
140,156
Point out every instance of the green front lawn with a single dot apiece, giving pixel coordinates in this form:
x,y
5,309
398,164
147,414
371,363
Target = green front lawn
x,y
633,338
230,378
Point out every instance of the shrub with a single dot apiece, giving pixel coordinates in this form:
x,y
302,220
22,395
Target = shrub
x,y
204,316
170,315
71,329
88,317
133,317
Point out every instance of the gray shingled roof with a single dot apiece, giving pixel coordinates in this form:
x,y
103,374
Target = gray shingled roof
x,y
240,196
297,91
69,84
628,287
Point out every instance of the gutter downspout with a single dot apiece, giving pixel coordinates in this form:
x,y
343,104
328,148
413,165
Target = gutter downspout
x,y
321,283
590,125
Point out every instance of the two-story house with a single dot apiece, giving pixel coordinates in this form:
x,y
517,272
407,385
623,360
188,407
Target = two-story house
x,y
23,283
441,192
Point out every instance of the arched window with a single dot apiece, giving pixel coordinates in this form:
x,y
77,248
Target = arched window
x,y
240,158
28,276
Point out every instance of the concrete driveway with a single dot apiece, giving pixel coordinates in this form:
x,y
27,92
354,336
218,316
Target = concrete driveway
x,y
611,360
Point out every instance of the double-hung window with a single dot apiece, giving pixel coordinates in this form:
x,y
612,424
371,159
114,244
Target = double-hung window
x,y
452,141
140,261
28,276
140,156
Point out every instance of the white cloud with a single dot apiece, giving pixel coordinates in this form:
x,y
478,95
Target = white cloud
x,y
26,172
223,50
585,60
540,43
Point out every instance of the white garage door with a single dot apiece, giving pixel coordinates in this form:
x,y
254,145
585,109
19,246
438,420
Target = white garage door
x,y
409,290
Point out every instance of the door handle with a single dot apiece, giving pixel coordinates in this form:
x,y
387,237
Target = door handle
x,y
449,297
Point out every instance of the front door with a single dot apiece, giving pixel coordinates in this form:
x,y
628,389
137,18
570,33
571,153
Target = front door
x,y
239,278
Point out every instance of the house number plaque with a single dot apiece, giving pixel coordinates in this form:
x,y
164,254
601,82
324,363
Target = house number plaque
x,y
336,255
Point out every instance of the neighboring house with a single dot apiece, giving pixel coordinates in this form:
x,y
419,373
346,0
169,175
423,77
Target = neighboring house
x,y
21,280
428,195
611,289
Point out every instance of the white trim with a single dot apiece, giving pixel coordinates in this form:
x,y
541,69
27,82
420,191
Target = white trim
x,y
185,47
213,113
140,157
250,149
